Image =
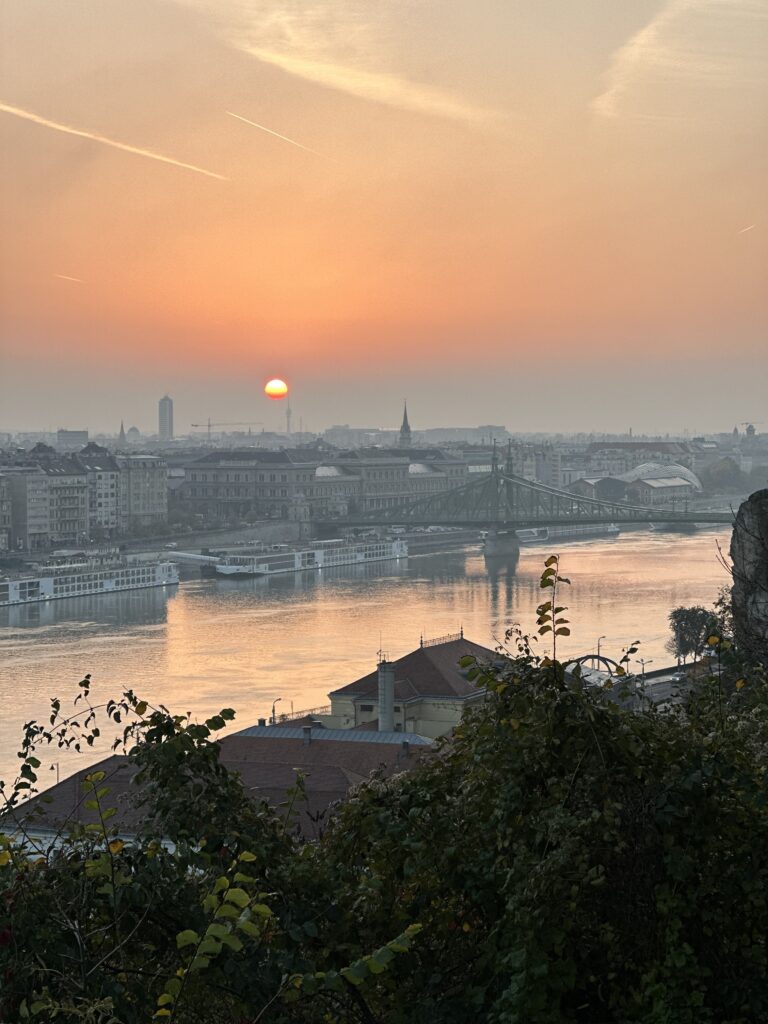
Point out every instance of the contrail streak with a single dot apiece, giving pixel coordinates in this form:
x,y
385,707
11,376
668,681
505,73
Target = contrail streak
x,y
276,134
745,229
65,277
27,115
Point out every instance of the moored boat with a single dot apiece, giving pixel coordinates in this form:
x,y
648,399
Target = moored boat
x,y
323,554
80,574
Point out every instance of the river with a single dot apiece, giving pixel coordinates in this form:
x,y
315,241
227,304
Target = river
x,y
208,644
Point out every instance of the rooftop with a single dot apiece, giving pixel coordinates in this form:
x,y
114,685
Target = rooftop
x,y
267,759
432,670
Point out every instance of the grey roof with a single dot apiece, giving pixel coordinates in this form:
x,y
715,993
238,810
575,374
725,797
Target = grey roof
x,y
657,471
669,481
345,735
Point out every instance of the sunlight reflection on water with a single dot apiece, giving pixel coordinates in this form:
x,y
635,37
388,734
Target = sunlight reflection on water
x,y
209,644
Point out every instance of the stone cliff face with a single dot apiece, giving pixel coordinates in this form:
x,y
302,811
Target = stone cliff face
x,y
749,552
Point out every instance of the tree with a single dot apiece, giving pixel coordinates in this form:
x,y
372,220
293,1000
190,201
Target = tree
x,y
690,629
560,858
723,475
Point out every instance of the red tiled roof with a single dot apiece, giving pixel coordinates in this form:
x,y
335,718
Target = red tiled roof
x,y
267,767
430,671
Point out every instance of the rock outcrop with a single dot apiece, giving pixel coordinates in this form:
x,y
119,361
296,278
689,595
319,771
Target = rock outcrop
x,y
749,552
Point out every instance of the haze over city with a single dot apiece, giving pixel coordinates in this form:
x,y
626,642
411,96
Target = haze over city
x,y
553,217
384,511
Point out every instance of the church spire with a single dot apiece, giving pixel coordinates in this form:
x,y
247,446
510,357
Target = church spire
x,y
405,429
121,435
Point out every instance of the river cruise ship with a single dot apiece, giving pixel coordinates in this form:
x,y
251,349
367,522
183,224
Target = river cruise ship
x,y
322,555
82,573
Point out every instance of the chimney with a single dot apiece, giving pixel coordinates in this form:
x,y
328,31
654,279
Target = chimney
x,y
262,721
386,696
307,733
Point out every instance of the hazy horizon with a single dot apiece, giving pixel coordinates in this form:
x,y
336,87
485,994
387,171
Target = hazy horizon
x,y
551,216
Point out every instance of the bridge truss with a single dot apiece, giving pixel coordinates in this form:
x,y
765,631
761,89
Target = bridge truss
x,y
501,500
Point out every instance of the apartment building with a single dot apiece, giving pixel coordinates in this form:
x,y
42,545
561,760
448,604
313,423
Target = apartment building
x,y
143,491
103,477
5,513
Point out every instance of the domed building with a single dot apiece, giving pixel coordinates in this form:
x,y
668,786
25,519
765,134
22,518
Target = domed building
x,y
655,484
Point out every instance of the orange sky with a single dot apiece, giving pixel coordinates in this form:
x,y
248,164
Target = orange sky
x,y
481,192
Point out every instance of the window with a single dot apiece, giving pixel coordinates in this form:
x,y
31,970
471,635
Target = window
x,y
366,708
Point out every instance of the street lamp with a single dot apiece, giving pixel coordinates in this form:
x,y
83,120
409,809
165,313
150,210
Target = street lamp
x,y
643,662
274,702
598,648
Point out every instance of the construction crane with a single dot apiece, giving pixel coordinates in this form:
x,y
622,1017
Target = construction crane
x,y
256,423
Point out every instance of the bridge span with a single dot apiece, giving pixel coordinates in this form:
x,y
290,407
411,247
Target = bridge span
x,y
501,501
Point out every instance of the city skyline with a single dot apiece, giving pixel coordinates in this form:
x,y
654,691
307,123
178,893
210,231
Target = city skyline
x,y
553,219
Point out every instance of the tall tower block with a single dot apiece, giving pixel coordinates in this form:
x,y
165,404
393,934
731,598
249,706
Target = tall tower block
x,y
165,418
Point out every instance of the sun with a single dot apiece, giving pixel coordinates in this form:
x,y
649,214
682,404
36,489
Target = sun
x,y
276,388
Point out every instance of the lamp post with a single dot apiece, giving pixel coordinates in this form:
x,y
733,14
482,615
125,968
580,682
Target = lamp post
x,y
643,663
598,649
274,702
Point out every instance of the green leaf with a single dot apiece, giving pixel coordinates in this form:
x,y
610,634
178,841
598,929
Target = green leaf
x,y
173,986
225,910
247,856
248,927
141,708
552,560
356,973
187,938
209,947
221,883
164,999
232,941
218,931
199,963
261,909
237,896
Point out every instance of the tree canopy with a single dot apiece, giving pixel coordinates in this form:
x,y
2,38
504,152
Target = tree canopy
x,y
559,858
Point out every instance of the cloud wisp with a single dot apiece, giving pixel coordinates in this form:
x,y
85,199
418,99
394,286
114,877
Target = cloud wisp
x,y
277,135
687,41
745,230
350,48
28,115
66,277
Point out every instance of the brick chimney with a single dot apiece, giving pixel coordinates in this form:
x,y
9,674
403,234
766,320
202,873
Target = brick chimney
x,y
386,696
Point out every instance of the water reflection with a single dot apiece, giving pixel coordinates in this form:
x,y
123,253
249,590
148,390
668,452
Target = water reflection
x,y
501,571
211,643
128,606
